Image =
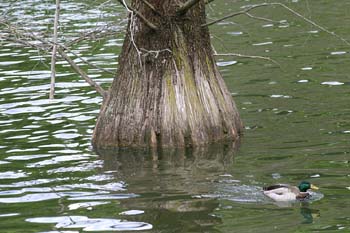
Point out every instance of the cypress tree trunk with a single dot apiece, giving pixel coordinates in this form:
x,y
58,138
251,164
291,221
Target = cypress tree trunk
x,y
168,91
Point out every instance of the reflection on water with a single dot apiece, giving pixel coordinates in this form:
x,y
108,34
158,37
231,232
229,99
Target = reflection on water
x,y
169,182
309,214
186,165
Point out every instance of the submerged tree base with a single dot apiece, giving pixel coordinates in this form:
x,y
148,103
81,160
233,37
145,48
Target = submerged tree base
x,y
171,179
217,157
168,92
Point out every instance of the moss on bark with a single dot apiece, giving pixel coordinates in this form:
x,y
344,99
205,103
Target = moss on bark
x,y
171,98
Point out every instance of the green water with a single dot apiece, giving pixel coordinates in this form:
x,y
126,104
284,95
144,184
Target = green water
x,y
295,114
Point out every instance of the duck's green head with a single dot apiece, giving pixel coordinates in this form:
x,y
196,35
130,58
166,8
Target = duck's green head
x,y
304,186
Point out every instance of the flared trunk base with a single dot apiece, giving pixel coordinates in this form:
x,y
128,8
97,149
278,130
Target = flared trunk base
x,y
168,92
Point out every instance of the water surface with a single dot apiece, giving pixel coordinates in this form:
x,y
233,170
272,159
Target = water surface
x,y
295,115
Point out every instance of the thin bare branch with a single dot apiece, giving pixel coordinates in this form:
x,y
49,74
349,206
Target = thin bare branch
x,y
22,37
186,7
247,56
132,28
77,69
151,7
249,8
93,35
11,33
24,43
86,61
29,39
47,45
142,17
311,22
261,18
54,49
155,53
235,14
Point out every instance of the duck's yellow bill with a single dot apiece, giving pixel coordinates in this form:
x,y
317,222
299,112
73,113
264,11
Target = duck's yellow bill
x,y
314,187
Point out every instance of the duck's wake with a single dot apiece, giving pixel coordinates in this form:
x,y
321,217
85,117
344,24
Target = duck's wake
x,y
241,193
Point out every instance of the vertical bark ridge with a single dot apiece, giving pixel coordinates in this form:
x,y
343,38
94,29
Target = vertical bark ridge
x,y
175,98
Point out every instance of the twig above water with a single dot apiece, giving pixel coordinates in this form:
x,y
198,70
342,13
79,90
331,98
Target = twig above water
x,y
77,69
54,50
249,8
186,6
141,16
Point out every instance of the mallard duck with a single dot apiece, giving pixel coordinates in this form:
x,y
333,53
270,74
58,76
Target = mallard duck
x,y
284,192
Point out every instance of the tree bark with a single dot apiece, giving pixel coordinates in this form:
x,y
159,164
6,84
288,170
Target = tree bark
x,y
168,91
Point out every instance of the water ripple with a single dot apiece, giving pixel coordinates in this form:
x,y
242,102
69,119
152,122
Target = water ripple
x,y
4,162
332,83
8,63
59,159
23,110
78,168
30,183
35,197
87,205
13,175
132,212
9,215
92,224
104,197
100,177
28,157
117,186
226,63
44,196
